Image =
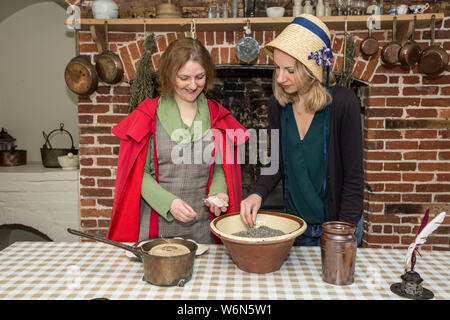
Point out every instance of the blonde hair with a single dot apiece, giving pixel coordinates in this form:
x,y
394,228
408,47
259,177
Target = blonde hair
x,y
316,95
175,56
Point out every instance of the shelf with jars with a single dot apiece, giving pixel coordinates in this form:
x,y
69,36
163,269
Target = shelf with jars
x,y
337,23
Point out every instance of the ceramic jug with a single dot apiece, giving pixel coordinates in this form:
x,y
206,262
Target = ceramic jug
x,y
308,8
338,252
105,9
297,9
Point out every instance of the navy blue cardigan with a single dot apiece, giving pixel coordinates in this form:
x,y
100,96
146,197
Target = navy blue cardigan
x,y
346,174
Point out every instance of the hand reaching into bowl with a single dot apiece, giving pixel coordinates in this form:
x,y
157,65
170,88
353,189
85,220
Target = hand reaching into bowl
x,y
249,209
182,211
217,206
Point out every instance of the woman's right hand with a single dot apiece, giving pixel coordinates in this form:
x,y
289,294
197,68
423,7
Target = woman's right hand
x,y
249,209
182,211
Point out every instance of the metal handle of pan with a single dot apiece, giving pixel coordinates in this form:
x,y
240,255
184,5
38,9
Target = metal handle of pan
x,y
414,27
106,36
394,28
433,22
132,249
77,44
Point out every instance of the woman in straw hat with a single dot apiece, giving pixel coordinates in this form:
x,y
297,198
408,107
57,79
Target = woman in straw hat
x,y
320,134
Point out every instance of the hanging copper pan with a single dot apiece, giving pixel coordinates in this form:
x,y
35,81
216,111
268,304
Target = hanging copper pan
x,y
80,75
389,54
410,52
369,46
108,64
433,59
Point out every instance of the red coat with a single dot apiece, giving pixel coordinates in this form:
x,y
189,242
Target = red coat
x,y
135,131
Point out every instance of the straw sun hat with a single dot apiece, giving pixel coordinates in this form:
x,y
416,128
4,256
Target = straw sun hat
x,y
306,39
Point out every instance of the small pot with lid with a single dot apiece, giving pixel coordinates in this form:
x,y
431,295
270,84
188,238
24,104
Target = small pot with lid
x,y
9,155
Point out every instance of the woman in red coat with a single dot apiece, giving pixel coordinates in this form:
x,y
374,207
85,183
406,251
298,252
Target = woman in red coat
x,y
175,151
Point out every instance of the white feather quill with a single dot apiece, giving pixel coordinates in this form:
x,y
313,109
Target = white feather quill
x,y
422,237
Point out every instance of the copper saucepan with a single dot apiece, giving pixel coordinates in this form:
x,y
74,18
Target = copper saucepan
x,y
80,75
369,46
158,270
389,54
433,59
410,52
108,64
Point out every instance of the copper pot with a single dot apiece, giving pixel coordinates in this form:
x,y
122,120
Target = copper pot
x,y
80,75
168,10
158,270
433,59
108,64
410,52
13,157
390,52
338,252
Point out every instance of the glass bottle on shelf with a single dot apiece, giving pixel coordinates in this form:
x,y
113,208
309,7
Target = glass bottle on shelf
x,y
249,8
210,12
327,9
225,11
234,8
375,9
320,8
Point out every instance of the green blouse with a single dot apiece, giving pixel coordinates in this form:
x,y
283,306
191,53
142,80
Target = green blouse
x,y
306,166
169,115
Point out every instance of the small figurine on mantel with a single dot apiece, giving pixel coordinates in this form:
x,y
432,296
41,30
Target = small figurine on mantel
x,y
411,287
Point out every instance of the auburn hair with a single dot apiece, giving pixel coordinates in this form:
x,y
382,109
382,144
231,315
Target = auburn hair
x,y
175,56
316,95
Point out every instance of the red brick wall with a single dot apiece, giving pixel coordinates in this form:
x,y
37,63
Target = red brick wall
x,y
406,136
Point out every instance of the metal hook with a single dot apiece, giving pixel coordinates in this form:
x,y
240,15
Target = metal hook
x,y
145,28
247,28
193,29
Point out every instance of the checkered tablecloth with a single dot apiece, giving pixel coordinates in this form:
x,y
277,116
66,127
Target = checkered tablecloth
x,y
87,270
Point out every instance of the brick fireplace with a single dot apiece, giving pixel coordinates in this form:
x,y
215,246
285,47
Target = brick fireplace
x,y
406,133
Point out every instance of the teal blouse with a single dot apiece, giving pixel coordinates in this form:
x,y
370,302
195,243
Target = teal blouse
x,y
306,166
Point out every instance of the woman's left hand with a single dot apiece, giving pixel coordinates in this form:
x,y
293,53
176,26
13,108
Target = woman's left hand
x,y
213,208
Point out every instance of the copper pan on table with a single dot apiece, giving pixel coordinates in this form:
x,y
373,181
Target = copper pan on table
x,y
158,270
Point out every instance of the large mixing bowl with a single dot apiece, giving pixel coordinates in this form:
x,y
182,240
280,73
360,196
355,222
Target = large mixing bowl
x,y
258,255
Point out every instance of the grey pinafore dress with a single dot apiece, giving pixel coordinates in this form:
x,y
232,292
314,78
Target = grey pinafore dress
x,y
188,181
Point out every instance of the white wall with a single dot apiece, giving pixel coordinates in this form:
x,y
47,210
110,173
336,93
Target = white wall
x,y
35,47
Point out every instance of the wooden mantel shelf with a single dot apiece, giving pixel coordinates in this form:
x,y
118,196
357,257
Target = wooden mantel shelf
x,y
256,24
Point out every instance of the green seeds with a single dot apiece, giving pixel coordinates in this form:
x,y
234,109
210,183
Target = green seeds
x,y
261,232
